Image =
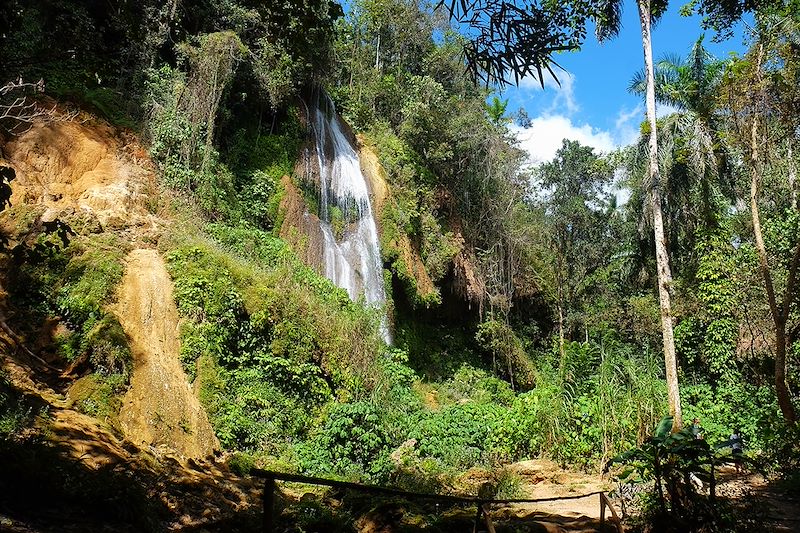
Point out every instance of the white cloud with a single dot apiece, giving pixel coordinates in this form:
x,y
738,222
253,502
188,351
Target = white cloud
x,y
627,125
546,134
563,95
558,121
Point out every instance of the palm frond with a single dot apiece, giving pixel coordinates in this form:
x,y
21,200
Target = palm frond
x,y
666,83
608,19
638,83
669,61
510,40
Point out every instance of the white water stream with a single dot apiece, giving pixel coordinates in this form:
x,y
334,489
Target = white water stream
x,y
352,261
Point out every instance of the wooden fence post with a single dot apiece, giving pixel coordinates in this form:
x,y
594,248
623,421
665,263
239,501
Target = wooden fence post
x,y
269,503
605,502
602,513
488,519
712,490
478,518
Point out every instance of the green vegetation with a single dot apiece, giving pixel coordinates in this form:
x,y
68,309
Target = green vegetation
x,y
99,396
15,414
531,314
270,341
77,282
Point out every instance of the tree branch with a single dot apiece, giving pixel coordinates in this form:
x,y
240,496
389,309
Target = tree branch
x,y
18,111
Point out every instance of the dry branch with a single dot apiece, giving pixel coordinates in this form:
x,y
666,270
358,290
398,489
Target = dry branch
x,y
18,110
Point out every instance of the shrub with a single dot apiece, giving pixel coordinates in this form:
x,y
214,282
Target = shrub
x,y
107,345
78,283
91,275
727,404
476,384
499,340
270,344
782,454
351,440
241,463
258,162
507,483
255,414
458,436
98,395
15,414
178,142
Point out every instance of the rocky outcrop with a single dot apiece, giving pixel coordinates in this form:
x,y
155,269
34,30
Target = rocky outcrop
x,y
299,227
81,167
160,409
407,257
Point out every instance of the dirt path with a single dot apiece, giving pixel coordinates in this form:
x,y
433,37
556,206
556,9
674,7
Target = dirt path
x,y
542,479
160,409
770,504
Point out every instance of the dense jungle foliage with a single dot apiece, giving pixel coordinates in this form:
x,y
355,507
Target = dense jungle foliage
x,y
541,334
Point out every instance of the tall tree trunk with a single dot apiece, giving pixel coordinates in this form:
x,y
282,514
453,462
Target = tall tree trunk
x,y
562,362
792,174
779,313
662,257
378,52
778,317
561,350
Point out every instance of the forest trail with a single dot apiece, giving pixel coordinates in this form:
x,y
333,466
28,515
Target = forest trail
x,y
542,479
768,502
160,409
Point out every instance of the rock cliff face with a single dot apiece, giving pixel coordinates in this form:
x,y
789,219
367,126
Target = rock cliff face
x,y
90,171
401,244
160,408
75,167
300,228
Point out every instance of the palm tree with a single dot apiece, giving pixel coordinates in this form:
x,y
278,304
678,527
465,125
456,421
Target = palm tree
x,y
688,84
691,151
519,38
608,19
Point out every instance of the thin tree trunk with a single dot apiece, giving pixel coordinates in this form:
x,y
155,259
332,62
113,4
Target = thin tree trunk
x,y
212,115
778,317
378,51
662,257
562,363
779,313
792,175
562,352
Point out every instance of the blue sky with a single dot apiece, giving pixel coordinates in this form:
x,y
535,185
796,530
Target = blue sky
x,y
593,105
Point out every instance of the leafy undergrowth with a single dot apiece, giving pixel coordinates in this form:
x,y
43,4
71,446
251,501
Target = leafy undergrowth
x,y
294,378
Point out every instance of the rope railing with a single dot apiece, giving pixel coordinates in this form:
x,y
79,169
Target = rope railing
x,y
482,504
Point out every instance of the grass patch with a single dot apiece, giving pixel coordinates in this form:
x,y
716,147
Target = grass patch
x,y
15,413
99,396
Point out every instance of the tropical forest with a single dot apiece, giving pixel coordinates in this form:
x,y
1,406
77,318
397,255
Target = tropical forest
x,y
399,265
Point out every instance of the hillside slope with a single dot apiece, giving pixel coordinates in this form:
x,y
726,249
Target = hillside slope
x,y
160,408
145,462
82,166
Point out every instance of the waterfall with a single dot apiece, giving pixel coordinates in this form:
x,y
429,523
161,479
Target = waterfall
x,y
351,253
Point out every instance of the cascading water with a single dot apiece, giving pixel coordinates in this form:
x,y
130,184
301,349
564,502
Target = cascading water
x,y
351,253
